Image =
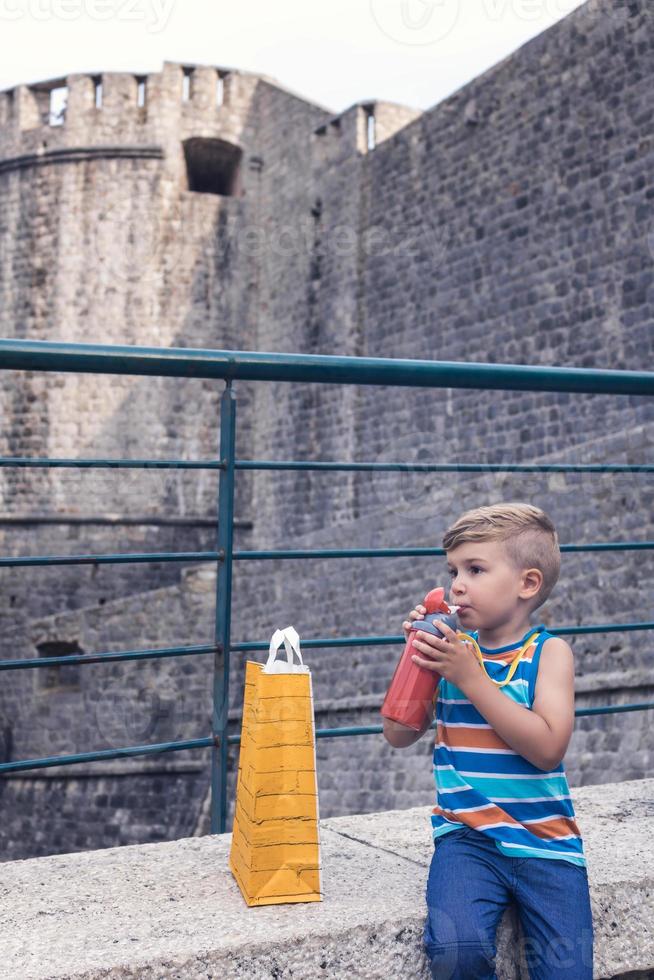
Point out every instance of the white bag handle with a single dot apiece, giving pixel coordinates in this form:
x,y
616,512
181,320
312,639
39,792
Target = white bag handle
x,y
292,644
289,637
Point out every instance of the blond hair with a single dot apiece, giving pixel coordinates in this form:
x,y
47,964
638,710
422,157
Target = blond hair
x,y
526,532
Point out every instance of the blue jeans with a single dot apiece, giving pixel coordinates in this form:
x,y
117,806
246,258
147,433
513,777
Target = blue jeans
x,y
470,885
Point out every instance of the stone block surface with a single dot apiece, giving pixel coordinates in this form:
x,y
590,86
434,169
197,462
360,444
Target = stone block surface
x,y
173,910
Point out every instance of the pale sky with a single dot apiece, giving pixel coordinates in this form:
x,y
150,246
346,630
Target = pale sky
x,y
333,52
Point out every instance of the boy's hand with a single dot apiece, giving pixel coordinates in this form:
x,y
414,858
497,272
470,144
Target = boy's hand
x,y
418,613
453,659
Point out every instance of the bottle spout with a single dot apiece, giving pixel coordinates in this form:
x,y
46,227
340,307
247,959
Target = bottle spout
x,y
435,603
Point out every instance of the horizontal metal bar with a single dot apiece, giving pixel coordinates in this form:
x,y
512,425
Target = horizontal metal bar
x,y
601,628
416,552
610,709
341,641
121,753
96,658
184,362
369,641
253,646
352,730
336,553
148,464
136,558
263,464
195,743
610,546
198,556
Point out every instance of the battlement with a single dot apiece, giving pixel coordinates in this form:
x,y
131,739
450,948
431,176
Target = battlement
x,y
55,101
79,109
360,128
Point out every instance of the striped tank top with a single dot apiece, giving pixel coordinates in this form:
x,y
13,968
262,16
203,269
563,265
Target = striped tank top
x,y
482,783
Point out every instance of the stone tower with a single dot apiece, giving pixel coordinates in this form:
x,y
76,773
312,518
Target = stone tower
x,y
168,210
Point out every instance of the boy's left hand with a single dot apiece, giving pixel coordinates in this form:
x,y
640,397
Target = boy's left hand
x,y
453,659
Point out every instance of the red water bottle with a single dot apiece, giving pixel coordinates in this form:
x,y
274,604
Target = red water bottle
x,y
409,696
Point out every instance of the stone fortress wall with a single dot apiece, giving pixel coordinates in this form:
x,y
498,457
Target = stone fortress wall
x,y
511,222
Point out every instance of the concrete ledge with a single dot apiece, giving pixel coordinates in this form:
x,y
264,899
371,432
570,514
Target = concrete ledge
x,y
173,910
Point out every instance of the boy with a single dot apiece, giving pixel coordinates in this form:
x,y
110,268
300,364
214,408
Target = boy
x,y
504,825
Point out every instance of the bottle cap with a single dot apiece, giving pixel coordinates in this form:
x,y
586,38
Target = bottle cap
x,y
435,602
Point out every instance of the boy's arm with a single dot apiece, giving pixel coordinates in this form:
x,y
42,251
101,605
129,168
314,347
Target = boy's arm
x,y
400,737
541,734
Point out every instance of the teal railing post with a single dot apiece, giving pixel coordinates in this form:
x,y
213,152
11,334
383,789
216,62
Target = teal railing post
x,y
223,611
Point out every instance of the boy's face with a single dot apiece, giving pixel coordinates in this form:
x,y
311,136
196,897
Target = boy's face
x,y
485,583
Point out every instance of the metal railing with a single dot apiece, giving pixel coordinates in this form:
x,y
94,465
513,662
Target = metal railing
x,y
254,366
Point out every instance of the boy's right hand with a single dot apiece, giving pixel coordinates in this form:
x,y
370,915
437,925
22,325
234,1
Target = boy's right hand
x,y
418,613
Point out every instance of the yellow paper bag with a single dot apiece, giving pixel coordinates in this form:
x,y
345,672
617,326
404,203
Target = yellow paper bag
x,y
275,852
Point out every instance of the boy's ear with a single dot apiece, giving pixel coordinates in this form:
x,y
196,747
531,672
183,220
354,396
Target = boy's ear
x,y
532,579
